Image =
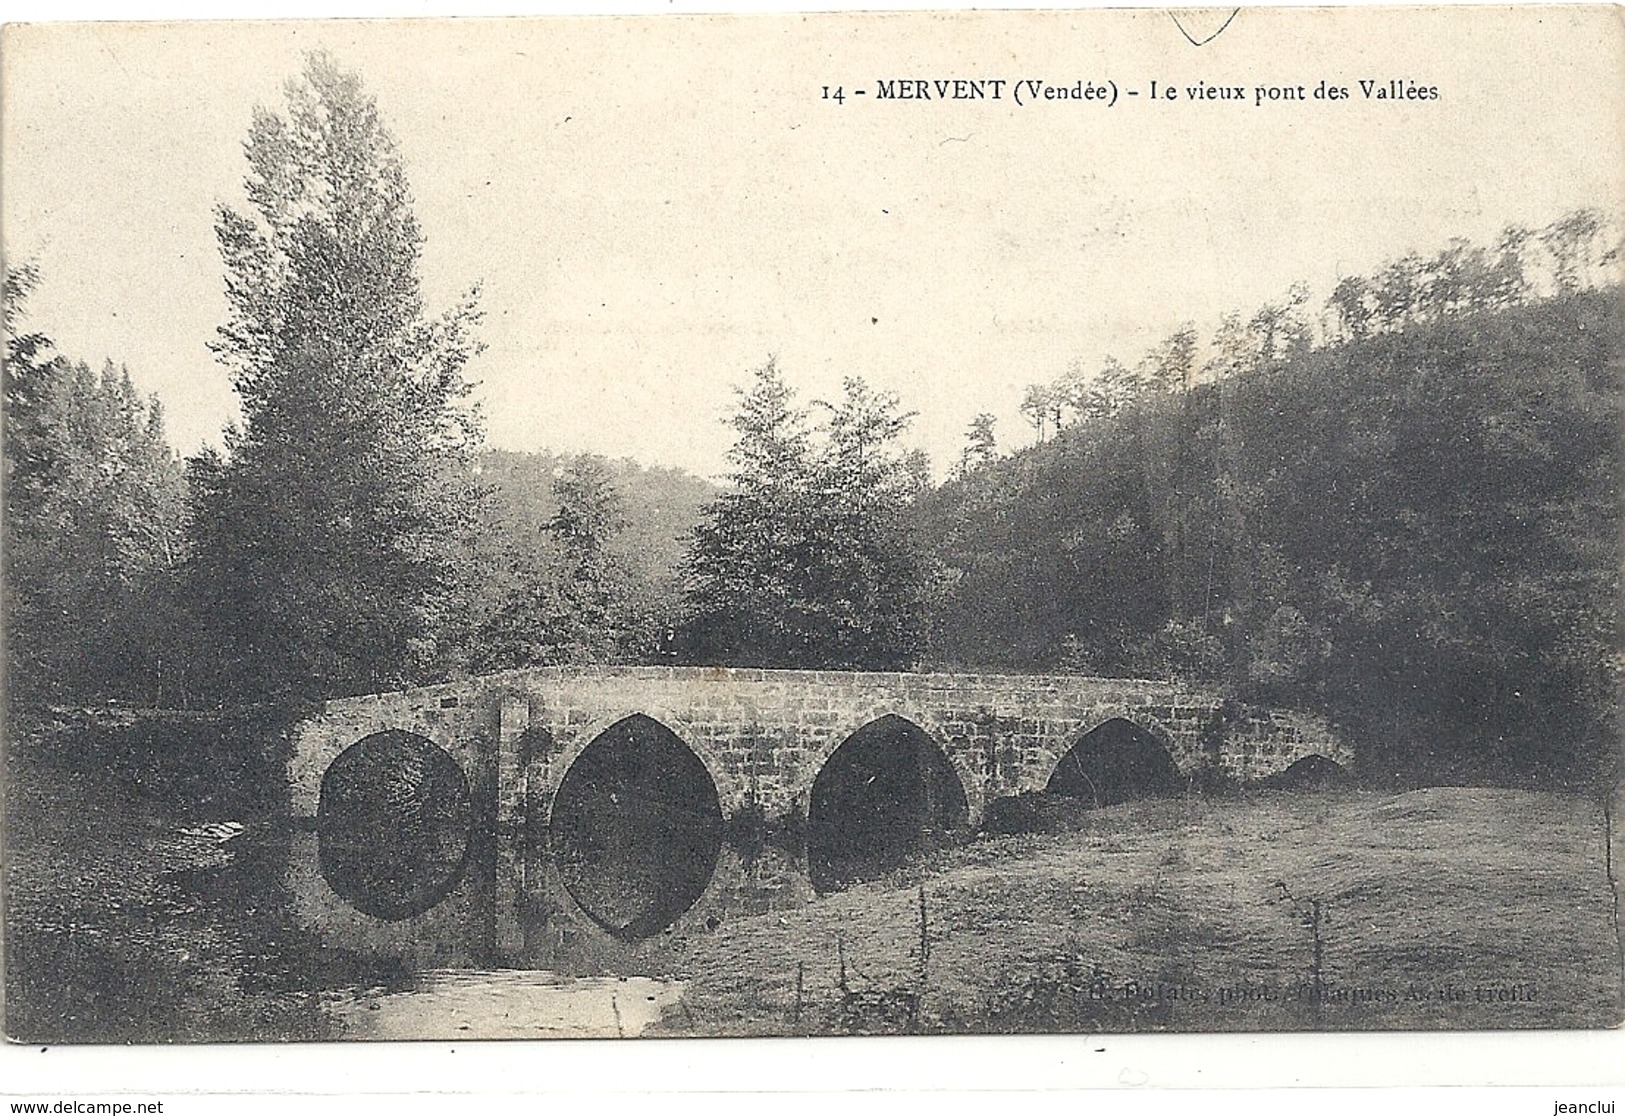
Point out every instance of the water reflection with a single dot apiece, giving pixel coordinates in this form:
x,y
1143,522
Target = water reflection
x,y
506,1004
130,918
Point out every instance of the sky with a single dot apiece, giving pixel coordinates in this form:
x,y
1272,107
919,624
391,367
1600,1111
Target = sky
x,y
652,207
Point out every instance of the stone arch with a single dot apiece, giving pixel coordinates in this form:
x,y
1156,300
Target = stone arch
x,y
1115,758
635,827
1312,771
394,823
1056,747
321,739
970,778
574,740
886,791
1071,730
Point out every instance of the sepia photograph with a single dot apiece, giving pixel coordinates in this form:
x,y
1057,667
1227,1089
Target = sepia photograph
x,y
800,525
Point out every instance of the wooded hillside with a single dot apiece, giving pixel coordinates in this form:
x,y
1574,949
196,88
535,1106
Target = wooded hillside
x,y
1415,530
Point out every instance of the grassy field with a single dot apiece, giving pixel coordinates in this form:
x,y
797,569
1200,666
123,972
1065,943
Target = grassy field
x,y
1441,908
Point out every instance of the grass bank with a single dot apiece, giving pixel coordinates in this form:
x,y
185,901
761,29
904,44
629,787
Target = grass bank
x,y
1442,908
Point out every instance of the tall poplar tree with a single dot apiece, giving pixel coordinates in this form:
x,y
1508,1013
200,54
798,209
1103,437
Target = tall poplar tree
x,y
328,533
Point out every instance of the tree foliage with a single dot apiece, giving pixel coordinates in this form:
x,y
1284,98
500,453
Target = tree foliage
x,y
329,531
94,527
519,554
807,559
981,445
574,598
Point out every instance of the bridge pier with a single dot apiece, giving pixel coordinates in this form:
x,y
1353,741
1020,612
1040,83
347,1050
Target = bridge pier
x,y
513,847
755,742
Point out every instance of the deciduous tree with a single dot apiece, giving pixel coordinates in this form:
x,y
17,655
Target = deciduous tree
x,y
981,445
573,601
327,533
807,559
94,527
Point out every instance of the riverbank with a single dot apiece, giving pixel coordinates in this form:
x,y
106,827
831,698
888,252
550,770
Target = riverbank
x,y
1440,908
137,914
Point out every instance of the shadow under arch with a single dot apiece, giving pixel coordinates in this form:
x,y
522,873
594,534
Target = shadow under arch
x,y
1114,762
887,792
394,824
636,828
1311,772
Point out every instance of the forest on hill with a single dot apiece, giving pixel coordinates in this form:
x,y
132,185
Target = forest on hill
x,y
1415,530
1400,508
660,506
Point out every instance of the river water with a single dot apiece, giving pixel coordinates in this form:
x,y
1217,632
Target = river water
x,y
506,1004
134,920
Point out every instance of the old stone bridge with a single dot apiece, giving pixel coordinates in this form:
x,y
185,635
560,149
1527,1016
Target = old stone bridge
x,y
558,817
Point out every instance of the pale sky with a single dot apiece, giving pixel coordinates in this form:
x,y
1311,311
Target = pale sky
x,y
655,205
